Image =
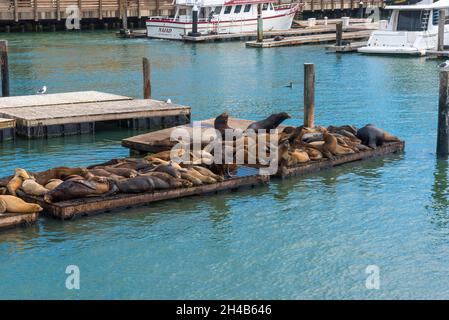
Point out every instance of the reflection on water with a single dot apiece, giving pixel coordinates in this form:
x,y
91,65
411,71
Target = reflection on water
x,y
305,237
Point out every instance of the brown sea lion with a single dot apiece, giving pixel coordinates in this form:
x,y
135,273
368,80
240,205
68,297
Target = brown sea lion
x,y
173,182
373,137
298,156
207,172
53,183
58,173
104,173
75,189
221,124
141,183
31,187
165,155
16,182
330,146
195,181
12,204
170,169
272,122
204,179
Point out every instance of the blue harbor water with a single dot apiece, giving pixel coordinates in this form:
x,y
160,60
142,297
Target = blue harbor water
x,y
308,237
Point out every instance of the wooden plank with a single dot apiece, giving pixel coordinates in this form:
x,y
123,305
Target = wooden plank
x,y
314,166
87,206
7,123
59,98
16,11
93,112
291,41
9,220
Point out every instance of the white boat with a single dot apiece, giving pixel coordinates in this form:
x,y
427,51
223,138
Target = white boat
x,y
411,29
221,16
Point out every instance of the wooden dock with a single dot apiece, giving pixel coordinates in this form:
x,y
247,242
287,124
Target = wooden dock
x,y
314,166
309,39
248,177
10,220
7,129
351,47
157,141
78,112
246,36
435,54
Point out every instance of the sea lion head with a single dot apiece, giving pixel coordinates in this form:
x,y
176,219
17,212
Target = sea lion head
x,y
284,115
22,173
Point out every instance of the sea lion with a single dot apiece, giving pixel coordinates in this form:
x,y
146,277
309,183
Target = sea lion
x,y
13,204
221,124
123,172
204,179
207,172
173,182
53,183
31,187
104,173
57,173
330,146
165,155
74,189
3,190
298,156
141,183
373,137
272,122
169,168
16,182
195,181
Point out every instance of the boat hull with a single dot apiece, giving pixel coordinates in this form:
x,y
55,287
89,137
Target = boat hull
x,y
175,30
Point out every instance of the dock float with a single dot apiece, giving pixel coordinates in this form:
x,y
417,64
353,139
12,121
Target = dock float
x,y
157,141
246,177
351,47
308,39
10,220
78,112
246,36
7,129
436,54
315,166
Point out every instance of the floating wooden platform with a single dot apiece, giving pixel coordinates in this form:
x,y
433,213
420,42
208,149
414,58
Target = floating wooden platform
x,y
309,39
388,148
351,47
76,113
305,23
157,141
248,177
10,220
246,36
435,54
7,129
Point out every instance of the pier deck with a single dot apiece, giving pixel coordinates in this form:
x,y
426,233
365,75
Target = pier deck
x,y
76,113
352,47
247,177
7,129
308,39
9,220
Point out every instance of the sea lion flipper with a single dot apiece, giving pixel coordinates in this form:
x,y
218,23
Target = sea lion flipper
x,y
2,206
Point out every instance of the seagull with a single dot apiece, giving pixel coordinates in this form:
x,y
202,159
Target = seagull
x,y
42,90
444,65
168,100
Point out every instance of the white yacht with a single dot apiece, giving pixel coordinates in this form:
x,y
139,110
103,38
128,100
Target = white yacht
x,y
411,29
221,16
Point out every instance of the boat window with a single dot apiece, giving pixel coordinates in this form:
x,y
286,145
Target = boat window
x,y
227,9
238,8
247,8
413,20
271,6
217,10
265,6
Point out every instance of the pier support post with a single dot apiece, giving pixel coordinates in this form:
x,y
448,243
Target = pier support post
x,y
441,23
361,9
194,32
4,67
338,33
259,23
309,94
125,15
146,79
443,116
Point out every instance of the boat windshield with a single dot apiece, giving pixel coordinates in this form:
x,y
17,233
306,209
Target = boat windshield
x,y
411,21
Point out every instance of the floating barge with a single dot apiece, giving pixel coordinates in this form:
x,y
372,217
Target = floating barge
x,y
10,220
7,129
247,177
301,40
78,112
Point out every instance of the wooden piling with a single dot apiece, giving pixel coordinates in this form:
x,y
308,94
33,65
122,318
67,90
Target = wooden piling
x,y
125,15
4,67
259,23
146,79
309,94
443,118
338,33
441,23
